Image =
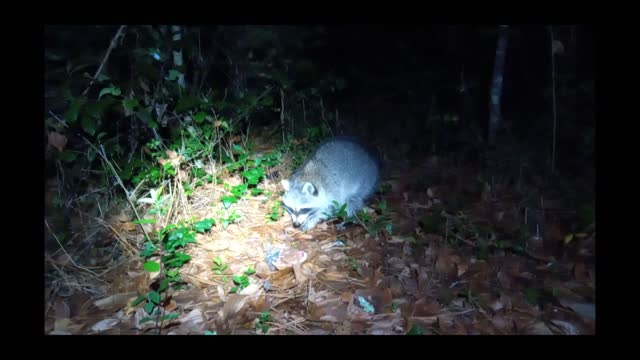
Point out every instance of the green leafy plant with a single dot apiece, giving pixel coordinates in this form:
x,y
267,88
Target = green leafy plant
x,y
394,306
242,281
277,211
219,266
229,218
378,222
338,211
416,330
204,225
353,264
252,169
263,320
136,119
168,242
157,201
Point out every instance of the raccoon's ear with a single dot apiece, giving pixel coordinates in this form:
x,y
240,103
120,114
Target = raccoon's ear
x,y
310,189
285,184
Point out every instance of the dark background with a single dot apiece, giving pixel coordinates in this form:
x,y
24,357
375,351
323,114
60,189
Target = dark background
x,y
395,80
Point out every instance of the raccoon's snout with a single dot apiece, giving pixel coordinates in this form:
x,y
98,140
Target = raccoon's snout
x,y
296,224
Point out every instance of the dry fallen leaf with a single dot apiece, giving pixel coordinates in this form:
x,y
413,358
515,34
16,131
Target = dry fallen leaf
x,y
584,309
104,325
129,226
580,272
252,289
504,302
502,323
57,140
121,217
174,157
262,270
216,245
462,268
566,327
396,264
114,301
344,328
172,305
234,306
539,328
506,280
300,276
337,313
184,177
424,322
572,300
65,327
221,293
193,322
62,310
387,326
425,308
396,240
445,264
459,303
347,297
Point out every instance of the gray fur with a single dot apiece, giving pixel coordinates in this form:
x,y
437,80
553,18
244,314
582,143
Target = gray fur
x,y
340,169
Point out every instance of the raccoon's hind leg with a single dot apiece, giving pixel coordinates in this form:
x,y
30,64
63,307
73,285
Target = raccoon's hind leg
x,y
354,204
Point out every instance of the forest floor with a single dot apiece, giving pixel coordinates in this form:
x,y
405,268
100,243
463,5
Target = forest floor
x,y
438,254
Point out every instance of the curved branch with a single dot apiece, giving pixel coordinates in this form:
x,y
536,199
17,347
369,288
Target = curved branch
x,y
104,60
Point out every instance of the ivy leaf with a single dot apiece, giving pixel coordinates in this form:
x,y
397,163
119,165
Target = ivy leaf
x,y
154,297
151,266
173,75
71,115
115,91
169,317
149,307
228,200
130,104
199,117
204,225
89,125
254,175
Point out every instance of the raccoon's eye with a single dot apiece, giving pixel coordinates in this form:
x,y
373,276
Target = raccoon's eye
x,y
304,211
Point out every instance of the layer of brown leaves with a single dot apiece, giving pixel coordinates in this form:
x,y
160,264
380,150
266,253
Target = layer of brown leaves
x,y
442,283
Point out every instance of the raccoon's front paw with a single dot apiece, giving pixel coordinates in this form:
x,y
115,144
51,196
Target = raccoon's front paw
x,y
310,224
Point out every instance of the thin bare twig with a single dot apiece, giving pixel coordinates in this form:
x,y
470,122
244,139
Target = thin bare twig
x,y
553,96
106,56
57,118
65,251
361,223
115,173
282,114
120,238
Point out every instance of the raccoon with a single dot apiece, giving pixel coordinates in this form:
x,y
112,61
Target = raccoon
x,y
341,169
